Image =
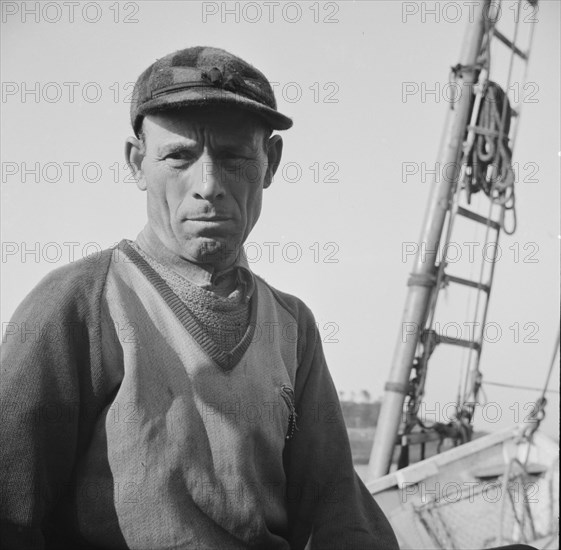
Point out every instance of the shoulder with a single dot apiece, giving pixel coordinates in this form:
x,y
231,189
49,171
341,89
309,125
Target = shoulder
x,y
72,289
292,304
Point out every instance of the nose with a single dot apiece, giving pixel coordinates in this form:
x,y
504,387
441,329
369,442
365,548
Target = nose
x,y
208,181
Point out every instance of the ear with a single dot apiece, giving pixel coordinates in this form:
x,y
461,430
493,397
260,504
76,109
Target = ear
x,y
134,155
274,154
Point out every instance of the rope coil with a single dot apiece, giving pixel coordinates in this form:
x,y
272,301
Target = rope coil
x,y
488,162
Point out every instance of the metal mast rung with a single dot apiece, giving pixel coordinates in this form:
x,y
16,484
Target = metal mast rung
x,y
458,342
478,218
468,282
509,44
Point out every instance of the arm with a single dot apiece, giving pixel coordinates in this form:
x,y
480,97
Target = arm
x,y
325,496
48,390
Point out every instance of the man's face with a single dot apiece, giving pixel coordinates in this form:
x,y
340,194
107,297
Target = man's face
x,y
204,172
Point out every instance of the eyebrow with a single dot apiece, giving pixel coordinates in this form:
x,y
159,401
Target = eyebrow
x,y
245,147
173,146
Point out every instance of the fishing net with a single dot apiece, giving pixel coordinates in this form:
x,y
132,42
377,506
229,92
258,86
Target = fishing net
x,y
492,513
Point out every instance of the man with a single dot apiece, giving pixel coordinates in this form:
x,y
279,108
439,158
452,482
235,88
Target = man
x,y
171,398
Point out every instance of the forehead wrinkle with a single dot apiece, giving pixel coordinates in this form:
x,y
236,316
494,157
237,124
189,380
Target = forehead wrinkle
x,y
232,130
215,142
232,140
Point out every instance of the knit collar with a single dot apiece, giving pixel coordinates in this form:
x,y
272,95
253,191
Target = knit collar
x,y
202,275
225,360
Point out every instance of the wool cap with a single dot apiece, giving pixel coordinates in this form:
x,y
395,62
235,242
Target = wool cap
x,y
200,77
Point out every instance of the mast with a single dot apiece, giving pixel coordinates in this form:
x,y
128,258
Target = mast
x,y
422,281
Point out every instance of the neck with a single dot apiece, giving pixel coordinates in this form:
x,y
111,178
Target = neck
x,y
204,275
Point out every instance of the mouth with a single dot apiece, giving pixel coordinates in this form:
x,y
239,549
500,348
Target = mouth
x,y
206,218
213,220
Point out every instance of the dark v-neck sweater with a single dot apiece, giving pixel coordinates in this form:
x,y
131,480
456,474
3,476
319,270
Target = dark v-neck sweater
x,y
125,426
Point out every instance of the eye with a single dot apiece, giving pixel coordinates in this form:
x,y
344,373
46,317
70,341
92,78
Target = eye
x,y
231,162
182,156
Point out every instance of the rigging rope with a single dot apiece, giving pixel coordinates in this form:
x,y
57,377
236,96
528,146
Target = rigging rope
x,y
489,161
518,387
538,414
552,364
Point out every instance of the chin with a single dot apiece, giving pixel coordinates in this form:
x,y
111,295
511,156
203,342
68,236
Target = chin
x,y
212,251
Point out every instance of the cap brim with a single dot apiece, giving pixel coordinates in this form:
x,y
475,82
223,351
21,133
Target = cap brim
x,y
210,96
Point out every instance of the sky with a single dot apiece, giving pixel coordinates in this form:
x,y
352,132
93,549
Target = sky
x,y
367,84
